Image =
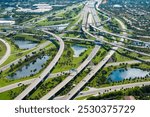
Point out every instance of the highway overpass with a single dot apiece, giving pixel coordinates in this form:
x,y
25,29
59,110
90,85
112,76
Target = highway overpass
x,y
46,71
60,86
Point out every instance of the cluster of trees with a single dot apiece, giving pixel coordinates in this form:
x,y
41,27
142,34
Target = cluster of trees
x,y
99,79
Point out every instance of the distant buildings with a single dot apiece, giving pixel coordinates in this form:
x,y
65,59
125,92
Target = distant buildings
x,y
37,8
6,22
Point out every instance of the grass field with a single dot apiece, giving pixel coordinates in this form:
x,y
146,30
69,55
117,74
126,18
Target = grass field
x,y
2,49
11,94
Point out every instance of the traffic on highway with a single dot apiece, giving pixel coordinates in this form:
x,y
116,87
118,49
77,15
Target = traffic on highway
x,y
80,50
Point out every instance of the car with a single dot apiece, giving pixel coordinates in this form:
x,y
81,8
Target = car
x,y
20,84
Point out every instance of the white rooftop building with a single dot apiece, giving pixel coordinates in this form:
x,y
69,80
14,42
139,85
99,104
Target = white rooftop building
x,y
6,22
40,8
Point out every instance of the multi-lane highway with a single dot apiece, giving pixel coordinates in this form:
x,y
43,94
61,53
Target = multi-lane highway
x,y
113,88
97,91
54,91
78,39
89,17
94,14
80,85
46,71
8,52
121,36
116,44
27,82
85,80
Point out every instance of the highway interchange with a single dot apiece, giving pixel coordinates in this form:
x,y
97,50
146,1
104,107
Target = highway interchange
x,y
46,71
89,18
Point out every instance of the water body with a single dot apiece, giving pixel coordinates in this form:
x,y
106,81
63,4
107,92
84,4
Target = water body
x,y
121,74
24,44
78,50
29,69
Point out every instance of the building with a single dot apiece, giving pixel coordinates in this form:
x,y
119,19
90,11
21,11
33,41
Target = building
x,y
6,22
37,8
